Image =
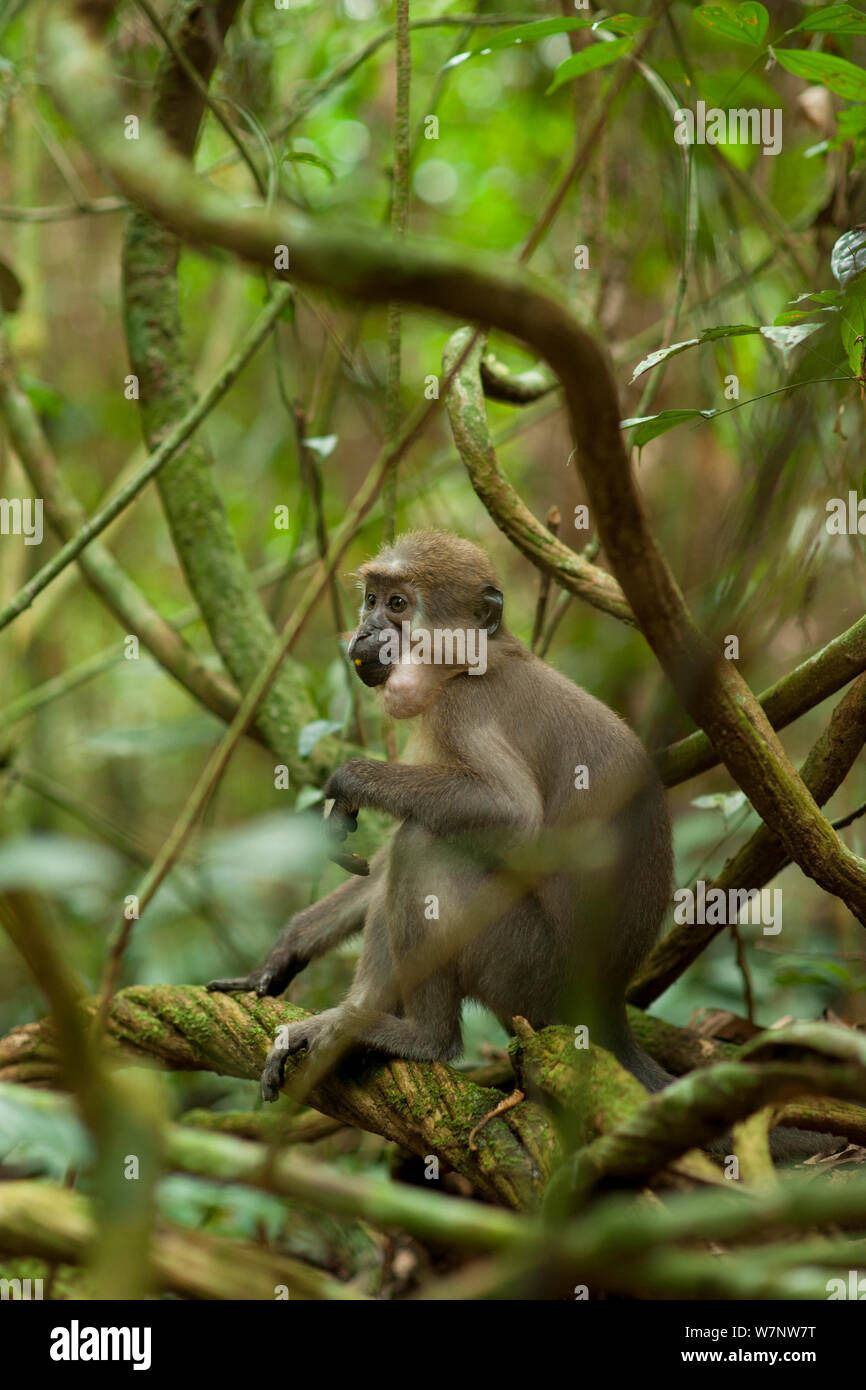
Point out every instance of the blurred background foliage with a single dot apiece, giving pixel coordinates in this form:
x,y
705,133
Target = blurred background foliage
x,y
96,776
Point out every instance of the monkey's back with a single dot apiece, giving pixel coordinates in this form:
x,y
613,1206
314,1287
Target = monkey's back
x,y
575,764
555,726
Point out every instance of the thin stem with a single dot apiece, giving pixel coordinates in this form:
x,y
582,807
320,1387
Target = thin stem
x,y
399,218
160,456
210,102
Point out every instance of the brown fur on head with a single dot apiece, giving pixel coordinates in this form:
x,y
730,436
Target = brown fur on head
x,y
449,572
427,582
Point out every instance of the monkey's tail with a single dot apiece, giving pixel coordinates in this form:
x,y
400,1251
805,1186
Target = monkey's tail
x,y
786,1145
640,1064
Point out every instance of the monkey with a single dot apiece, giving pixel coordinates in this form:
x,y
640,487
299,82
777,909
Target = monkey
x,y
504,749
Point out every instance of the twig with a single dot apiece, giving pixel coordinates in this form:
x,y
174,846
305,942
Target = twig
x,y
560,608
311,478
60,213
507,1103
100,569
554,519
586,148
210,102
762,856
399,219
160,456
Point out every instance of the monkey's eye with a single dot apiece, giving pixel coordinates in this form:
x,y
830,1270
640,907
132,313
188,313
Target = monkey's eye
x,y
370,600
397,603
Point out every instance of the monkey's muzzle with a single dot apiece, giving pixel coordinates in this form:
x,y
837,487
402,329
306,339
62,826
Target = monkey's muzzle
x,y
365,651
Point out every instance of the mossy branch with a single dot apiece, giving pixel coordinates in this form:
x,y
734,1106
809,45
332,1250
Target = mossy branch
x,y
58,1225
762,856
212,563
515,388
427,1107
468,417
816,678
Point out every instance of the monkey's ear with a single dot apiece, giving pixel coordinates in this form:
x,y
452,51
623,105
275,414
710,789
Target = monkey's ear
x,y
491,609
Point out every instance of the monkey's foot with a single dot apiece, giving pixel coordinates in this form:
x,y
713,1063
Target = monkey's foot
x,y
320,1033
274,1073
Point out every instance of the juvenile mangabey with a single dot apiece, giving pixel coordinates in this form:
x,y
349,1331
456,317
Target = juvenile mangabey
x,y
496,759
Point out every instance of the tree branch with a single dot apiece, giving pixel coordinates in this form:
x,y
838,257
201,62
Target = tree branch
x,y
427,1107
468,417
99,567
214,568
762,856
816,678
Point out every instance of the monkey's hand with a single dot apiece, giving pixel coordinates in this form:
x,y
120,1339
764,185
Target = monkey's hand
x,y
319,1033
340,821
277,973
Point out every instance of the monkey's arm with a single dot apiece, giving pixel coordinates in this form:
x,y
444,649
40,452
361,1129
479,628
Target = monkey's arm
x,y
309,934
444,800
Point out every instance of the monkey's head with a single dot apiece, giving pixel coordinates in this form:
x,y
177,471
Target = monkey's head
x,y
431,602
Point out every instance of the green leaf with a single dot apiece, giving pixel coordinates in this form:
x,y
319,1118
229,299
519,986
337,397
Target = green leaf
x,y
789,336
854,324
791,316
727,803
814,302
831,298
819,972
520,34
41,1135
835,19
651,426
848,257
307,157
531,33
323,444
544,28
840,76
730,330
851,121
41,395
623,24
311,733
599,56
652,359
747,24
